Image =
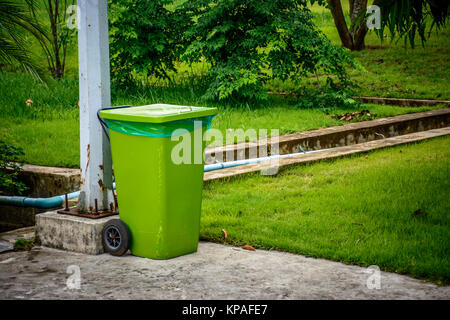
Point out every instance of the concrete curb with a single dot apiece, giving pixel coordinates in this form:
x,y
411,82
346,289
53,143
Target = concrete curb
x,y
272,166
403,102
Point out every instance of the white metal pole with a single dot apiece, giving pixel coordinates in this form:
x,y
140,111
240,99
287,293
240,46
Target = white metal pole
x,y
94,82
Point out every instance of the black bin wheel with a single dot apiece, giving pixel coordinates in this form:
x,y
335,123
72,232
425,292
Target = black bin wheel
x,y
116,237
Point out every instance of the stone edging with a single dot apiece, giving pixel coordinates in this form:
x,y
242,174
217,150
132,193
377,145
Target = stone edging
x,y
403,102
337,152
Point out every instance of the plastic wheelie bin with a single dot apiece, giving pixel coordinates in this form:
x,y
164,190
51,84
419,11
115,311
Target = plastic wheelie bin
x,y
158,175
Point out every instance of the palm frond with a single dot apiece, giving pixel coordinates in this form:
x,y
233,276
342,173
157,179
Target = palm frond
x,y
15,21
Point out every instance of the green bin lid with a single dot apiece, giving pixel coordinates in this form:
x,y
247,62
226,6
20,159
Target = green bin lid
x,y
157,113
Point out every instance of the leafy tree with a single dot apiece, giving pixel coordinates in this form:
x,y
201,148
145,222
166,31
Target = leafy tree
x,y
250,42
56,35
14,23
404,19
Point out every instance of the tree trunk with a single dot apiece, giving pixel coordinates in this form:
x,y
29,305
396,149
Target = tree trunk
x,y
352,38
53,13
358,32
339,21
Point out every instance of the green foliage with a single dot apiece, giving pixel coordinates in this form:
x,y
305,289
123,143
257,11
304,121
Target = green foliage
x,y
338,90
405,19
144,39
22,244
251,42
9,170
247,43
327,97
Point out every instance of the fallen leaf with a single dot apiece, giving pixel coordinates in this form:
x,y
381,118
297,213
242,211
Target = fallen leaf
x,y
225,233
353,115
248,247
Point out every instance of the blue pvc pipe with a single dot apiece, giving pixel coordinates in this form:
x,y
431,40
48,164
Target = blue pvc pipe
x,y
57,201
230,164
43,203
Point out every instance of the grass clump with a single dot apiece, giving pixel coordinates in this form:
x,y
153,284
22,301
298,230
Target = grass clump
x,y
23,244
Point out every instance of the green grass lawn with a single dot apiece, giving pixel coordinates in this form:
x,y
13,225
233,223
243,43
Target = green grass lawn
x,y
358,210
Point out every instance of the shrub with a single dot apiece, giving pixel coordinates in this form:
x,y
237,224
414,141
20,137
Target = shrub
x,y
9,169
251,42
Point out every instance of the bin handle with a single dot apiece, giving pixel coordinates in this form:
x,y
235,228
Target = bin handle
x,y
102,122
108,168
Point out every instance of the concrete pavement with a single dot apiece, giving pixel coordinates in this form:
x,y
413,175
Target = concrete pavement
x,y
215,271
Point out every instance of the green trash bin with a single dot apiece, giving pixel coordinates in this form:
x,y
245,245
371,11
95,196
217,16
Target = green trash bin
x,y
159,199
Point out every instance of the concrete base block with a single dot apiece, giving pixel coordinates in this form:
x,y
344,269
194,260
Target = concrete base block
x,y
71,233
